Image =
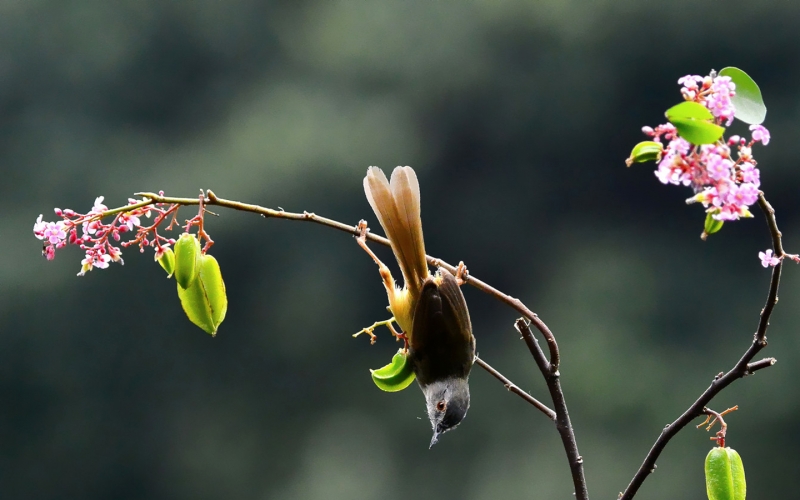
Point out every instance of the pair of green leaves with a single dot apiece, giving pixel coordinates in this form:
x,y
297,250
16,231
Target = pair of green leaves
x,y
725,475
695,123
201,289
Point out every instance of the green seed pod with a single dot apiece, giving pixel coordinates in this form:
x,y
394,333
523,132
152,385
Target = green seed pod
x,y
187,251
712,225
725,475
645,151
167,261
395,376
205,302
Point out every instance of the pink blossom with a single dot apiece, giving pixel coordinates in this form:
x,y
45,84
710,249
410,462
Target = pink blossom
x,y
49,252
54,232
160,249
719,100
726,213
39,227
718,167
129,220
98,205
767,259
760,134
750,174
94,258
690,88
743,195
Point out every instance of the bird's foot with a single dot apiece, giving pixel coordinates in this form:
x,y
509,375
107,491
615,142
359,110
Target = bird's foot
x,y
370,330
462,275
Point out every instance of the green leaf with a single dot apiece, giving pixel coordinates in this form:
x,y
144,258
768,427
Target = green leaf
x,y
645,151
748,102
698,132
395,376
725,475
694,123
689,109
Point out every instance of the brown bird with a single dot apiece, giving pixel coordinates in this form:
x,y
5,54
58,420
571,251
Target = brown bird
x,y
430,309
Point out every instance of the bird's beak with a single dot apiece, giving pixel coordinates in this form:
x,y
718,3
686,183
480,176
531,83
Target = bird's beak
x,y
436,433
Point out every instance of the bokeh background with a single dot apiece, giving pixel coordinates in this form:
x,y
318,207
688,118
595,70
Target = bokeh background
x,y
517,116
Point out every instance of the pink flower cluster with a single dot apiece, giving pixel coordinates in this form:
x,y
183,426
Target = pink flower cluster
x,y
96,237
726,187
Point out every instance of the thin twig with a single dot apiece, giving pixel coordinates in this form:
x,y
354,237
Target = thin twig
x,y
549,369
562,421
758,365
741,369
515,389
514,303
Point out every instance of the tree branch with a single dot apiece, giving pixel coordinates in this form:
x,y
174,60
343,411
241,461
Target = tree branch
x,y
212,199
562,421
548,368
516,390
741,369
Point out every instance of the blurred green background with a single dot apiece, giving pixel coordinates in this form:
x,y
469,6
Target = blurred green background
x,y
517,117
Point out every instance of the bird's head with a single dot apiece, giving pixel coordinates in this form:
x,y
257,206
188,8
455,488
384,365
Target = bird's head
x,y
448,402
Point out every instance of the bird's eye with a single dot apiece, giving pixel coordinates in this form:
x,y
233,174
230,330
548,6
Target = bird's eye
x,y
441,406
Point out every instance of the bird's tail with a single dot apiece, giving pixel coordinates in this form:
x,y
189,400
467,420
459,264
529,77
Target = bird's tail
x,y
396,204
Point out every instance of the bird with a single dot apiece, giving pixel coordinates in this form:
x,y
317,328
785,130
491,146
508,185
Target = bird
x,y
429,308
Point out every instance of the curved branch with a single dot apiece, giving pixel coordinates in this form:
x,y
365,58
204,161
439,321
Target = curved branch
x,y
549,368
563,423
514,303
515,389
741,369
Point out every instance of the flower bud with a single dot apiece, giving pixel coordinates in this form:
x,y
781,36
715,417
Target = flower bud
x,y
187,252
724,475
205,302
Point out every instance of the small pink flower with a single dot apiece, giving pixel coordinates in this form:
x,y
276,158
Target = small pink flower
x,y
690,81
750,174
767,259
38,227
115,254
49,252
760,134
129,221
98,205
718,167
719,100
54,232
160,249
742,195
